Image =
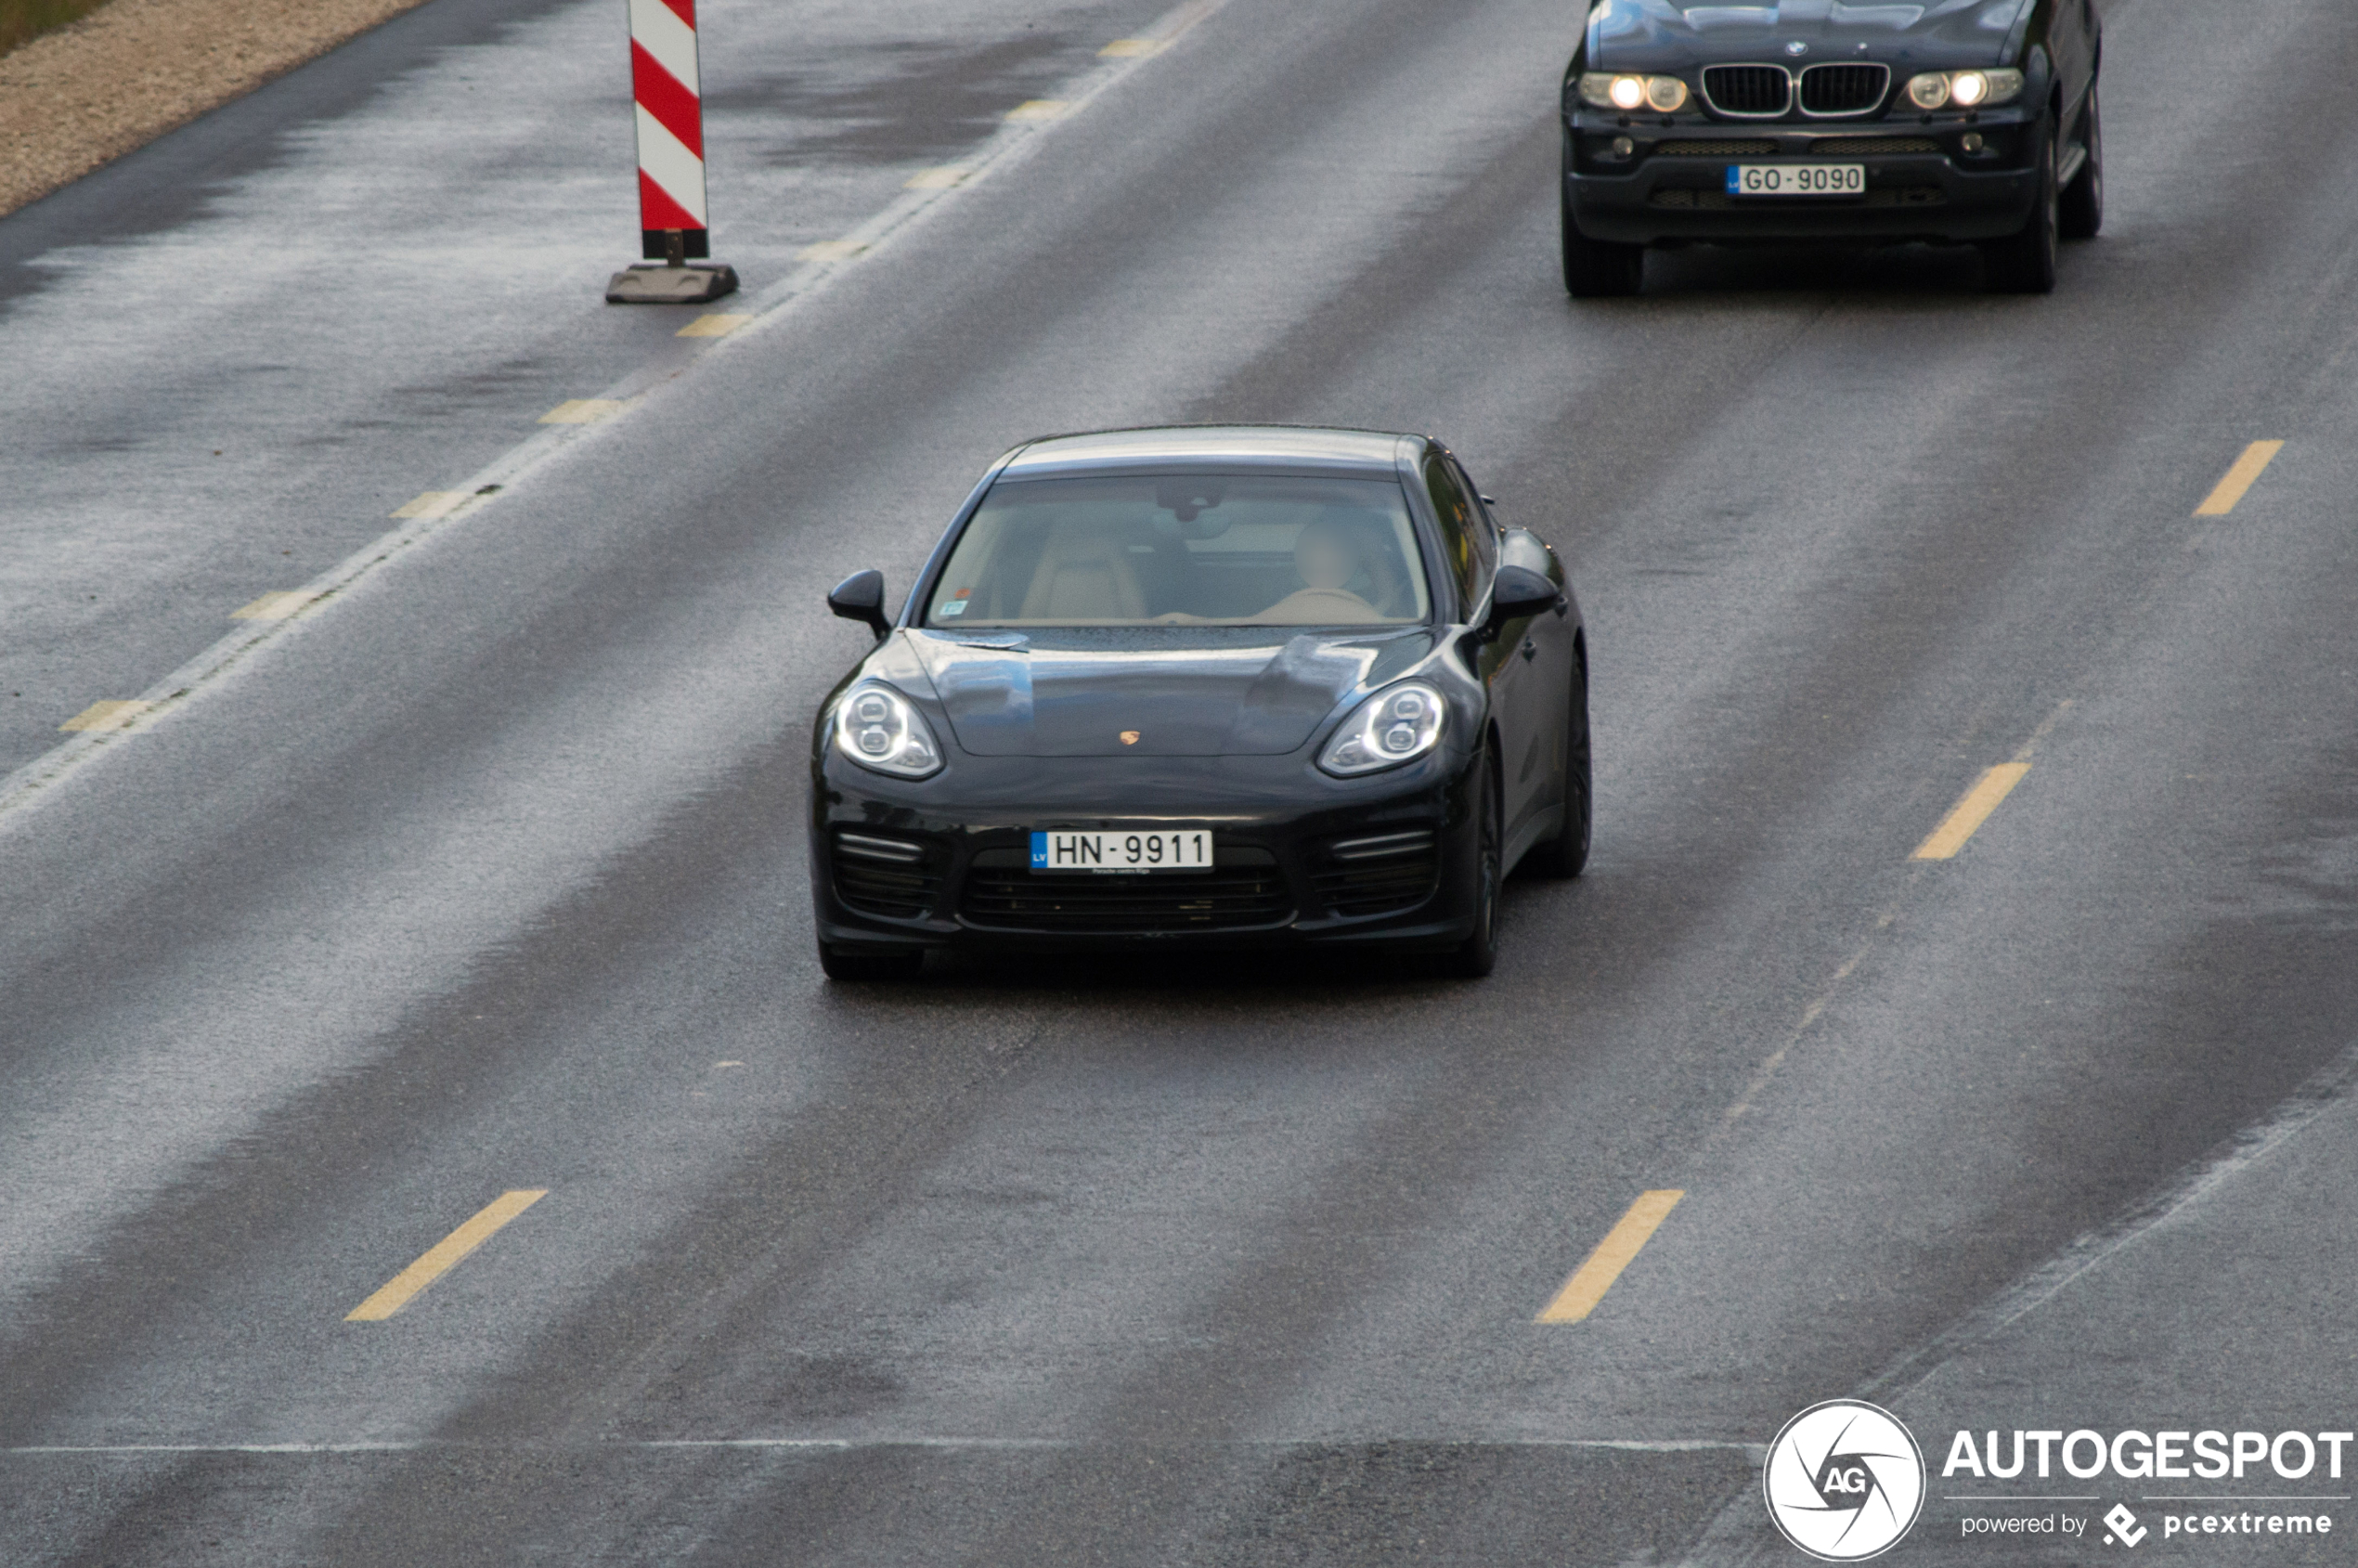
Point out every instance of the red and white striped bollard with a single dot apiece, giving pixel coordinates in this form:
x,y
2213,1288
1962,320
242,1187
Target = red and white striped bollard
x,y
666,93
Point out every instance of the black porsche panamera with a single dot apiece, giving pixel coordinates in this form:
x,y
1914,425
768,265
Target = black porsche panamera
x,y
1203,687
1951,122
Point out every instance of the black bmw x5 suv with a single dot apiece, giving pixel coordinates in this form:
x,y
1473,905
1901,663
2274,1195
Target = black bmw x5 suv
x,y
1953,121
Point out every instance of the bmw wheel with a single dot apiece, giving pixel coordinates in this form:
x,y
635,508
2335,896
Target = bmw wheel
x,y
1597,268
2083,199
2025,263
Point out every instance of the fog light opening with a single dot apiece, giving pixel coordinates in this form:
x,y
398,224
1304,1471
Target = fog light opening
x,y
1973,142
1623,147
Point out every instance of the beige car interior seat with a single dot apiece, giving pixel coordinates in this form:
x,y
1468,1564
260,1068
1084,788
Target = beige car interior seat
x,y
1083,576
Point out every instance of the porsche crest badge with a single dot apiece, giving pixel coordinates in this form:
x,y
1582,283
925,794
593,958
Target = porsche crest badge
x,y
1130,737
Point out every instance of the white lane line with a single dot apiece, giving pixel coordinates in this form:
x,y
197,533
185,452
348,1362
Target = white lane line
x,y
1733,1530
31,782
2325,1089
1755,1452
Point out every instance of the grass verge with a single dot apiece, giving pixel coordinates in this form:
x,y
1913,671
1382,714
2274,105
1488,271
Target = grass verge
x,y
23,19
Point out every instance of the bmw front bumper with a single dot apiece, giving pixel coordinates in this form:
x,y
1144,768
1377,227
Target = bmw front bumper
x,y
1922,182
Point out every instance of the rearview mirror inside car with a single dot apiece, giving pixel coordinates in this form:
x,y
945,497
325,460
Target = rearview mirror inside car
x,y
860,597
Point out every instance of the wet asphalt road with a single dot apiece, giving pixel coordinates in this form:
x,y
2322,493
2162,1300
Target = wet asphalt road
x,y
486,872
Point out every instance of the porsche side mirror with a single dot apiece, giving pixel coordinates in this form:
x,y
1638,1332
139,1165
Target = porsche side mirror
x,y
860,597
1517,593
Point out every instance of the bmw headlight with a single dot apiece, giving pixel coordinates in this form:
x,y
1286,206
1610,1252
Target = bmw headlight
x,y
1398,724
877,728
1603,89
1963,89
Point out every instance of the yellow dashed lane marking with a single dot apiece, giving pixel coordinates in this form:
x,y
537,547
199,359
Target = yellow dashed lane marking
x,y
445,1256
1132,48
1039,108
1616,1251
274,606
433,503
1972,811
831,250
2247,470
105,716
582,411
717,325
936,179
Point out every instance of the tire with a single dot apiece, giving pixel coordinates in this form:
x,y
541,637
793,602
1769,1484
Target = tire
x,y
1478,954
2081,214
875,968
2025,263
1596,269
1566,855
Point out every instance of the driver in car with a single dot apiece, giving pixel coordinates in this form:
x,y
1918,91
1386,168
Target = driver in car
x,y
1325,557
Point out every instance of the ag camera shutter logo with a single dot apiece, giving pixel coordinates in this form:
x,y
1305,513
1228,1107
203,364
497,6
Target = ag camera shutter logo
x,y
1845,1481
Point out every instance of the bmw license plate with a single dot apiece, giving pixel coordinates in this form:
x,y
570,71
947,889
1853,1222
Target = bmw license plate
x,y
1797,179
1186,849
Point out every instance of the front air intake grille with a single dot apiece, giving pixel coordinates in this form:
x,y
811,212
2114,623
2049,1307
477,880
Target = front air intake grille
x,y
1378,873
1716,150
888,876
1872,147
1243,891
1829,91
1755,92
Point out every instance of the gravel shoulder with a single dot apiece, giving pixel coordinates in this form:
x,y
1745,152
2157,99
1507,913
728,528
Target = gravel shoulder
x,y
88,92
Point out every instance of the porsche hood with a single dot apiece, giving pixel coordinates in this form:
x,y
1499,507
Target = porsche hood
x,y
1046,695
1908,35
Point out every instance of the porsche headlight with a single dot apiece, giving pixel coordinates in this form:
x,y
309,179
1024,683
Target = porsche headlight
x,y
1660,94
1398,724
877,728
1965,89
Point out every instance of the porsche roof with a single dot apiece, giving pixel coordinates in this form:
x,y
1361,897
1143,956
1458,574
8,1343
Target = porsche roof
x,y
1207,446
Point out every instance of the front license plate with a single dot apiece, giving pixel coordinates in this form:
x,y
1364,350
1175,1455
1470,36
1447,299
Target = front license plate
x,y
1186,849
1797,179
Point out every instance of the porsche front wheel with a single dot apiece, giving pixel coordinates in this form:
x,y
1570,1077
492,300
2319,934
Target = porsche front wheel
x,y
1478,954
1566,855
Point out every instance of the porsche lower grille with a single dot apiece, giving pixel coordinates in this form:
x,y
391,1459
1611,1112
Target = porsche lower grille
x,y
1378,873
888,876
1229,897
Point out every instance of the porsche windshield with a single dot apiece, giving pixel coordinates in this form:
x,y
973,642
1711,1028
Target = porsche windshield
x,y
1223,549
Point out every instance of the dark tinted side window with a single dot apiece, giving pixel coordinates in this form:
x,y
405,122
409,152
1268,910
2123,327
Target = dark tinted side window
x,y
1466,536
